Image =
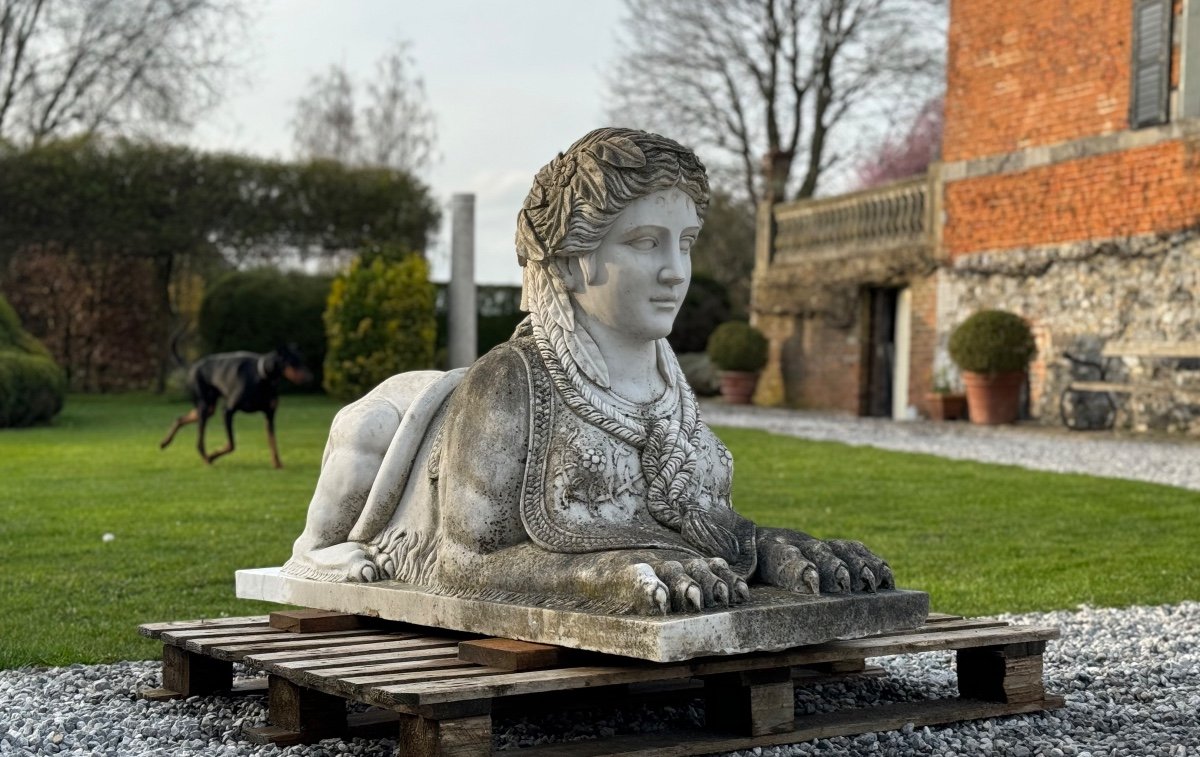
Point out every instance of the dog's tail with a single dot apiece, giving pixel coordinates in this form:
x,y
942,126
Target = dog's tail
x,y
176,337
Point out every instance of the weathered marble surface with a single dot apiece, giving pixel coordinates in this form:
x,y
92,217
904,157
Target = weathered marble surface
x,y
772,619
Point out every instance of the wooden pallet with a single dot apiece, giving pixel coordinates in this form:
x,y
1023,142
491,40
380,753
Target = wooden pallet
x,y
440,703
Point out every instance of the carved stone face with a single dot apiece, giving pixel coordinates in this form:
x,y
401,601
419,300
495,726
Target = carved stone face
x,y
634,282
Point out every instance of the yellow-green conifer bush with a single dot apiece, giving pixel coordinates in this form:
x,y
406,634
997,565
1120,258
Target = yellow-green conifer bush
x,y
379,322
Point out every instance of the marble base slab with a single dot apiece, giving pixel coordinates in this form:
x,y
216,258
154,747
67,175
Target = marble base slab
x,y
772,620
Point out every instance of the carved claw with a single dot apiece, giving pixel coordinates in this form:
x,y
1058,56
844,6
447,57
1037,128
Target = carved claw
x,y
811,580
800,576
886,579
721,593
839,582
741,592
868,579
661,599
694,600
365,573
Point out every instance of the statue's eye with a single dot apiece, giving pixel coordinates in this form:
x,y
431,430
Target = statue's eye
x,y
643,244
685,244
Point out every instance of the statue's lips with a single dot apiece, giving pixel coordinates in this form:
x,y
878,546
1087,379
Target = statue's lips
x,y
664,302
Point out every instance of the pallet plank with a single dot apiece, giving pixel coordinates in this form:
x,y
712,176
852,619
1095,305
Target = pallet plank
x,y
321,664
236,651
343,650
154,630
355,686
202,641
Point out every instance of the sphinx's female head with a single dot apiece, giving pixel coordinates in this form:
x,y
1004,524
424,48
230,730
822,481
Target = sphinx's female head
x,y
577,198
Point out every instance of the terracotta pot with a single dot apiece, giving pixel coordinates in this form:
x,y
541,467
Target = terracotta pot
x,y
737,387
946,406
994,398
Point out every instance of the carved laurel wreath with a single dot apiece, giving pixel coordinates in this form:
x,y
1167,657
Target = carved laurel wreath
x,y
568,183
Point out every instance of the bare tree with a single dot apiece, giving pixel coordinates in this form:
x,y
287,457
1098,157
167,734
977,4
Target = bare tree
x,y
86,66
395,128
764,85
324,125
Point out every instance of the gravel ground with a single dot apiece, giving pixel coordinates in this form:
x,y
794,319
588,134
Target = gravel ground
x,y
1131,679
1175,462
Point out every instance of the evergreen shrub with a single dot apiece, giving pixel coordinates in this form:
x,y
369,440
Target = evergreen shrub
x,y
737,346
379,322
992,341
31,384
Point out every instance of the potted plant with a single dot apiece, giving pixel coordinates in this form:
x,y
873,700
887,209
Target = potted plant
x,y
739,351
993,348
945,403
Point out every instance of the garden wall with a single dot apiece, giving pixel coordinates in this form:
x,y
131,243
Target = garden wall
x,y
1079,296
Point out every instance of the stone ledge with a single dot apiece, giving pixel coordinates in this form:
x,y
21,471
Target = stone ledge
x,y
772,620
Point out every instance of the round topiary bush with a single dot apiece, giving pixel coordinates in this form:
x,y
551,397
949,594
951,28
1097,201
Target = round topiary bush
x,y
31,384
737,346
992,341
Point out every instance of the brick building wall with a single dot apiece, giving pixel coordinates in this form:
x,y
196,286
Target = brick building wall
x,y
1022,73
1113,195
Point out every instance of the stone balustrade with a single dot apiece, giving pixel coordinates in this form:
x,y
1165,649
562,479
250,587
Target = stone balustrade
x,y
895,215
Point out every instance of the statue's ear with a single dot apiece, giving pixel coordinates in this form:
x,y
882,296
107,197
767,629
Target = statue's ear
x,y
571,272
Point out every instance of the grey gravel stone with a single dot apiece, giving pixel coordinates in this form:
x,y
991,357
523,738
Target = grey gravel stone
x,y
1131,679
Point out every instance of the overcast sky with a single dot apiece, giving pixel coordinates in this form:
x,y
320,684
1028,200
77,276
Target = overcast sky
x,y
512,82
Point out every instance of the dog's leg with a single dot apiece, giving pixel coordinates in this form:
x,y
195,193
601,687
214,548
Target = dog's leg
x,y
228,435
205,413
270,413
191,416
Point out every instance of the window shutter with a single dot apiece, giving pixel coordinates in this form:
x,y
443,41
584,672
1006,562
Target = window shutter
x,y
1151,62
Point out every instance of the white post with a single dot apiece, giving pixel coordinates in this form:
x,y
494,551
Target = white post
x,y
902,362
460,293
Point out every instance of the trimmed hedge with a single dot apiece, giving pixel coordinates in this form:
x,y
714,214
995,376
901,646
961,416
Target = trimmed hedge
x,y
262,309
31,384
379,322
175,211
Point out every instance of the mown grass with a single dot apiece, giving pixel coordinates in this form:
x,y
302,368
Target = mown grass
x,y
981,539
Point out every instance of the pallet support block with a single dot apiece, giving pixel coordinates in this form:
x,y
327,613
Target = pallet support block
x,y
310,621
190,674
1005,673
751,703
467,735
510,654
300,714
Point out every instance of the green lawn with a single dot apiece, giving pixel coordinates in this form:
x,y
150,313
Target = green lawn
x,y
981,539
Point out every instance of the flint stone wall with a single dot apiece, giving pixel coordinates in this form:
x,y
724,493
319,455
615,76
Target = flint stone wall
x,y
1080,296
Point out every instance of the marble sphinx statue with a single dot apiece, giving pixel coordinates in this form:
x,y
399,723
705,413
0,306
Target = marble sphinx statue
x,y
569,466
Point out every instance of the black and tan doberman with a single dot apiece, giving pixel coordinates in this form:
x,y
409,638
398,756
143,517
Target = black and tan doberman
x,y
249,382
